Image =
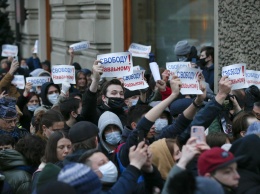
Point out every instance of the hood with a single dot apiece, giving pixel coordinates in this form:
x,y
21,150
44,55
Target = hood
x,y
108,118
10,159
44,90
40,72
162,158
247,147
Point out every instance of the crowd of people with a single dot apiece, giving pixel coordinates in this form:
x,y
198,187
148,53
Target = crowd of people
x,y
98,137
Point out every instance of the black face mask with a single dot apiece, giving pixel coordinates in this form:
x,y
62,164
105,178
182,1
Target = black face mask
x,y
116,103
203,62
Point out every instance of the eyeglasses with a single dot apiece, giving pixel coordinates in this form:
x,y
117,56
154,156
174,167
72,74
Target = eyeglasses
x,y
9,122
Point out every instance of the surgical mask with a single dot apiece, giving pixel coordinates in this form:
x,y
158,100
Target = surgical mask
x,y
203,62
116,103
183,58
25,67
160,124
33,107
113,138
134,102
109,172
53,98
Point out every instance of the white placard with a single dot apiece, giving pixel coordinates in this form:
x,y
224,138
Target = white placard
x,y
80,46
139,50
18,81
116,64
36,46
38,81
137,67
155,71
237,75
63,73
135,81
9,50
253,78
174,66
189,79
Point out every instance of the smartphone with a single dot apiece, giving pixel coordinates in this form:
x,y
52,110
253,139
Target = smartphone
x,y
228,104
16,58
198,132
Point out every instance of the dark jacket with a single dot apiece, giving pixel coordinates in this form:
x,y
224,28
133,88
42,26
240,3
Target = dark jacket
x,y
249,165
33,63
208,73
91,111
16,171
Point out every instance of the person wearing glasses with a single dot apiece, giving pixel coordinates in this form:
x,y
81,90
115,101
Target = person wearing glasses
x,y
9,119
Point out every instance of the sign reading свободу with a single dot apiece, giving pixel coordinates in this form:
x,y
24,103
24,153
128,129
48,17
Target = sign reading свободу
x,y
63,73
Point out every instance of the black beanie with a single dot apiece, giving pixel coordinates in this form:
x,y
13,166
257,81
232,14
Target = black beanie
x,y
82,130
129,93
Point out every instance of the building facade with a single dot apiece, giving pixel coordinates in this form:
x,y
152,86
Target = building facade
x,y
231,26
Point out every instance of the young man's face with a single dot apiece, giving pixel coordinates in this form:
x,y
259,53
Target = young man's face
x,y
114,91
228,175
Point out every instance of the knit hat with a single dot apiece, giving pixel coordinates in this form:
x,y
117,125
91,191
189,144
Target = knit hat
x,y
213,159
7,108
49,173
81,177
182,48
179,105
55,187
129,93
82,130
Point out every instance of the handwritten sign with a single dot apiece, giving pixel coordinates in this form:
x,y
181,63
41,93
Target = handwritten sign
x,y
35,48
253,78
155,71
189,79
9,50
237,75
115,64
18,81
174,66
38,81
135,81
80,46
139,50
63,73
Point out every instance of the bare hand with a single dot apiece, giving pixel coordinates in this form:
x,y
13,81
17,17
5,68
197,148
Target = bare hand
x,y
138,155
71,52
175,85
148,166
14,67
161,85
225,86
97,70
2,95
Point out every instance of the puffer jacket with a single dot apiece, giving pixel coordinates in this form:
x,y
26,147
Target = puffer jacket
x,y
16,171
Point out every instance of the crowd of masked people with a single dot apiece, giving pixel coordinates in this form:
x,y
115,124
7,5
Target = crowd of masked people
x,y
98,137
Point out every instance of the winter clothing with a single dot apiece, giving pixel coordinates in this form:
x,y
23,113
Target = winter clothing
x,y
18,174
44,92
182,48
162,158
33,63
17,133
10,89
208,73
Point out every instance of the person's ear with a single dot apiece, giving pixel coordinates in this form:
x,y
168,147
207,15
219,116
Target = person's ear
x,y
242,133
73,114
104,99
133,125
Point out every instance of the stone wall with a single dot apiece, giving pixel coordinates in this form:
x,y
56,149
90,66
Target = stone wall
x,y
239,33
79,20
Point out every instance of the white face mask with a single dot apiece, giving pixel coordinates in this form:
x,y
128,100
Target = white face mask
x,y
113,138
134,102
109,172
32,107
53,98
160,124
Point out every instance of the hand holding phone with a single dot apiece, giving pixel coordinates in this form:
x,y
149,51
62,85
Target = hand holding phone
x,y
198,133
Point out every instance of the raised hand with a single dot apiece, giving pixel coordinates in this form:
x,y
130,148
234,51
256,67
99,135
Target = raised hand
x,y
138,155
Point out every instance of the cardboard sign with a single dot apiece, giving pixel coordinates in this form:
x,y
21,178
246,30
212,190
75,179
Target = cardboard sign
x,y
139,50
253,78
116,64
155,71
84,45
189,79
135,81
9,50
63,73
38,81
174,66
237,75
35,48
18,81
